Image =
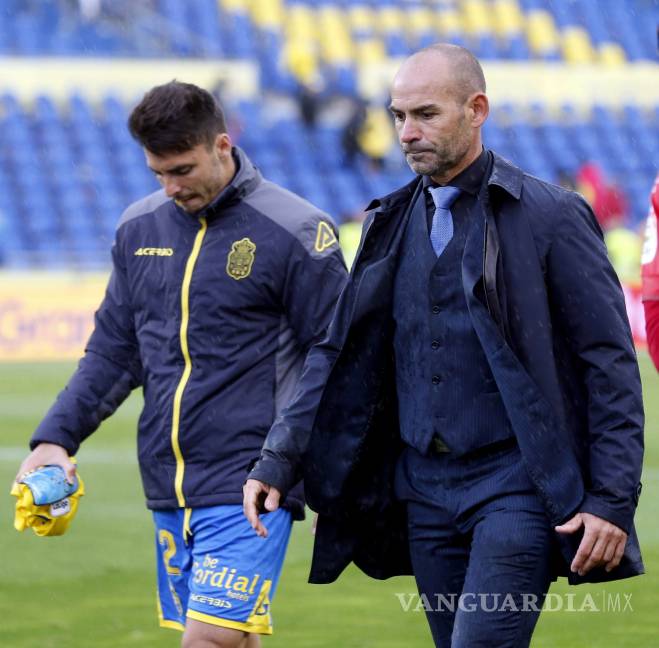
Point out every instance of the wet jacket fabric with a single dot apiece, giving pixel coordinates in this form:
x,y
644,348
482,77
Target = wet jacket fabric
x,y
550,316
212,315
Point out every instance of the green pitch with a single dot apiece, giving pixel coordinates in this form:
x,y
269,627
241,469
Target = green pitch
x,y
95,585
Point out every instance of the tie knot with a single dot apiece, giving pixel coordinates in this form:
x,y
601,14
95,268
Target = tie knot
x,y
444,197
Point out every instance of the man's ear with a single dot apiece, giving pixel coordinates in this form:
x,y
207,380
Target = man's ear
x,y
223,144
479,109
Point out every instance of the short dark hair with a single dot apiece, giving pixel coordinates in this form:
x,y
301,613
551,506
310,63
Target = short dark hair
x,y
176,117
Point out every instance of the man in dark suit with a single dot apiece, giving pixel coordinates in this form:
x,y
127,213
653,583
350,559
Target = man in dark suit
x,y
476,406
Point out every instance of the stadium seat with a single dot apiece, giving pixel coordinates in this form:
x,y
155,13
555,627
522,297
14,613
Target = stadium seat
x,y
576,46
542,34
507,19
362,21
450,24
268,15
335,38
421,26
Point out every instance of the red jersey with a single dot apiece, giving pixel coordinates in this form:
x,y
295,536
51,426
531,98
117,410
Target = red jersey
x,y
650,276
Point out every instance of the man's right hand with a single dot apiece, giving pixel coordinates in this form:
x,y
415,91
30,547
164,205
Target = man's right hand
x,y
259,497
48,454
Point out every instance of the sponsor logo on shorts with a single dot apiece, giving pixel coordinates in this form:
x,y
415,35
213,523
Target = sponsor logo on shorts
x,y
209,600
222,577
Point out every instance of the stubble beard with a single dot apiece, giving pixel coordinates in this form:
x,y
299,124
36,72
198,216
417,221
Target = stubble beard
x,y
436,166
441,161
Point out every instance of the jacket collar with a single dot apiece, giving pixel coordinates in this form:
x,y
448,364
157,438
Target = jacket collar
x,y
244,181
504,174
507,176
396,198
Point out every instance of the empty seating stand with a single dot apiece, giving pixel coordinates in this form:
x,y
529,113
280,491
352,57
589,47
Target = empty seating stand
x,y
68,168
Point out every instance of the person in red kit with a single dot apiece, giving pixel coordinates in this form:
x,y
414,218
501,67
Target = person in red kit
x,y
650,276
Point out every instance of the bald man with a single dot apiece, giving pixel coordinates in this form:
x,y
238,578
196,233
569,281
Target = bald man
x,y
475,412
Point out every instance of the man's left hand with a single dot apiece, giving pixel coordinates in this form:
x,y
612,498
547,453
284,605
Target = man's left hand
x,y
603,543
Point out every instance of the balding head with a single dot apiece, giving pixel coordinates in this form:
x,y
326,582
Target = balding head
x,y
439,105
463,73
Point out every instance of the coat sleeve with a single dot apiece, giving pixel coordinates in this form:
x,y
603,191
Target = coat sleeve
x,y
282,455
109,370
315,275
281,461
589,307
315,278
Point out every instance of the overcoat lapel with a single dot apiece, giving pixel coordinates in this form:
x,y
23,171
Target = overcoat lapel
x,y
375,279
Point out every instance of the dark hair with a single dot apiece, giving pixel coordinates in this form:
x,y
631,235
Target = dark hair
x,y
176,117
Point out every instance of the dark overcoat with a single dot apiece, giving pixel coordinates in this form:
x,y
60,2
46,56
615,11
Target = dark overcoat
x,y
550,315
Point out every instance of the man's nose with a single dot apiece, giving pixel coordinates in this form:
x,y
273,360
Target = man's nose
x,y
172,187
408,132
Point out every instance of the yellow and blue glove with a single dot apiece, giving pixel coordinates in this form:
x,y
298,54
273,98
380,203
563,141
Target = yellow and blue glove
x,y
46,502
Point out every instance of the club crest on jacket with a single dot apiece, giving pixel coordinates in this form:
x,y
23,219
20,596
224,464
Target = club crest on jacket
x,y
241,258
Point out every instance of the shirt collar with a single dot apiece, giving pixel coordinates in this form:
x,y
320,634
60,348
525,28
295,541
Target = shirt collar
x,y
470,179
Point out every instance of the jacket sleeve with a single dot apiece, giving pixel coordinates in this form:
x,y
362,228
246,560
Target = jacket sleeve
x,y
315,281
280,464
109,370
315,275
589,307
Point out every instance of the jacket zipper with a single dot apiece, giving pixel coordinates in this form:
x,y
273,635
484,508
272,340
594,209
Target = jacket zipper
x,y
187,370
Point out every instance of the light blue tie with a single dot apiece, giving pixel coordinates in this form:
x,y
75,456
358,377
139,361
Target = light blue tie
x,y
441,231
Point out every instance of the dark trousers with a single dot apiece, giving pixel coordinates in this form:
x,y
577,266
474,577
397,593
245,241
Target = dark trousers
x,y
480,542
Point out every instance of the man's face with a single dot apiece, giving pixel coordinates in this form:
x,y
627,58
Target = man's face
x,y
433,125
194,178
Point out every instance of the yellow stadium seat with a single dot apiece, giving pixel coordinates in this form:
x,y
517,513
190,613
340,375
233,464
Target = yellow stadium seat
x,y
361,19
541,32
331,14
477,17
339,53
508,18
420,20
332,23
335,38
369,51
612,54
390,21
300,23
576,45
449,22
267,15
301,60
235,6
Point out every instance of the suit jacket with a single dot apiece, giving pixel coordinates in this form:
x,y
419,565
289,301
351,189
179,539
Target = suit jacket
x,y
550,314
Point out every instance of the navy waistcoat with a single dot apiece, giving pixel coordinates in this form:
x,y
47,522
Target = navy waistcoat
x,y
444,383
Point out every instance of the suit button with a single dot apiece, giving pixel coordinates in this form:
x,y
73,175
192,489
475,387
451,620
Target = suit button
x,y
435,309
434,345
436,380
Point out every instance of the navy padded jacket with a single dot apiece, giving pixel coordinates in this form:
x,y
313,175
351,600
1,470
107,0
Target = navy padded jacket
x,y
212,315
